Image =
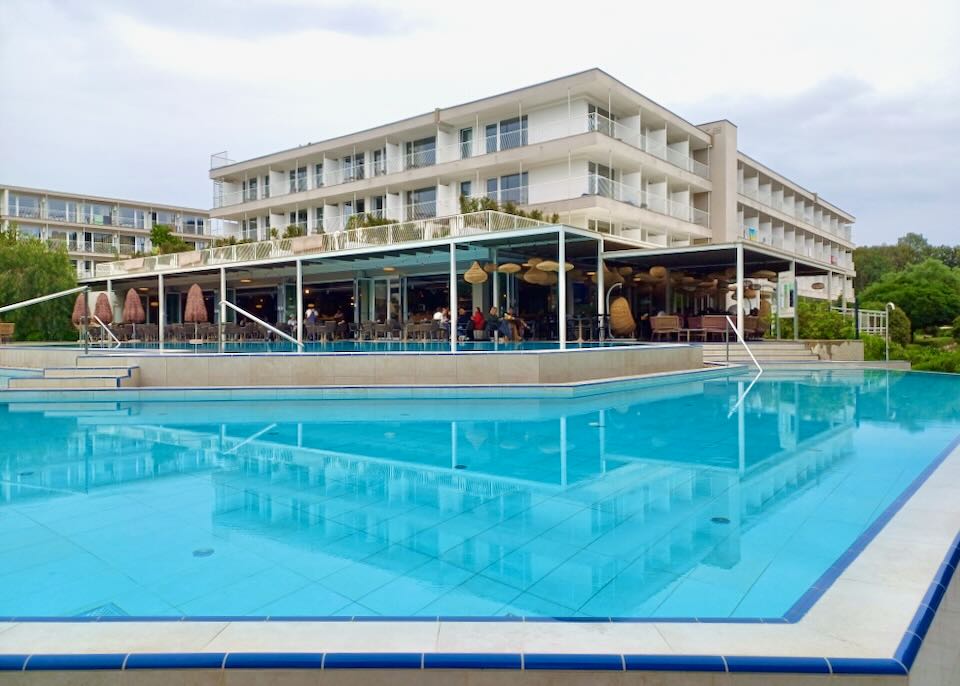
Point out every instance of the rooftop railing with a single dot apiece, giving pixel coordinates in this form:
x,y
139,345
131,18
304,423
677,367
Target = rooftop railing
x,y
435,228
481,144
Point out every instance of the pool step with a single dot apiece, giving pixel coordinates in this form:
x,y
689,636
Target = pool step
x,y
64,378
765,351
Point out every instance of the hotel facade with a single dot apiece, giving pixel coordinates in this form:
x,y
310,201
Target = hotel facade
x,y
94,229
585,147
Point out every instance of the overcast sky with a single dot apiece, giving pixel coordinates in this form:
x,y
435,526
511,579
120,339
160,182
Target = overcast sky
x,y
128,98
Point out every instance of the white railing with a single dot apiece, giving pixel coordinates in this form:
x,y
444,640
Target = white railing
x,y
803,213
481,145
435,228
602,186
635,138
866,321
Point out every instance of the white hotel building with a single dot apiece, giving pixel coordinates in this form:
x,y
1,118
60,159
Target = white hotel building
x,y
586,147
95,229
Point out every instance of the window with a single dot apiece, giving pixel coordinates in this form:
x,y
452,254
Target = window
x,y
193,224
164,217
508,188
131,218
101,215
421,153
266,186
466,143
318,220
601,226
299,218
64,210
379,205
508,133
379,162
318,175
250,189
298,179
422,203
599,119
248,228
602,181
466,188
352,166
24,206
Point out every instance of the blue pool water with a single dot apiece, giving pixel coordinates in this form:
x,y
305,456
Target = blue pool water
x,y
661,501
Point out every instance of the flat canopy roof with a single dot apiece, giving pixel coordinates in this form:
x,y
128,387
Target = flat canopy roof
x,y
721,255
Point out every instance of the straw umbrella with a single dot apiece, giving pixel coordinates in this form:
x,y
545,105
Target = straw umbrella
x,y
195,310
103,310
80,312
133,310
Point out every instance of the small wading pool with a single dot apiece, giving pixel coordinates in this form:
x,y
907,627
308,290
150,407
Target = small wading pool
x,y
347,346
675,500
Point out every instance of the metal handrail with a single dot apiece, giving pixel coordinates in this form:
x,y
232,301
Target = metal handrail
x,y
42,298
53,296
262,323
743,342
107,329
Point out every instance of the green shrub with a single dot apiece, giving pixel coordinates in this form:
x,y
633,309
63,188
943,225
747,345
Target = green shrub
x,y
956,329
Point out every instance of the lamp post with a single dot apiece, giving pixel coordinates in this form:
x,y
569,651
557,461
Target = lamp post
x,y
888,308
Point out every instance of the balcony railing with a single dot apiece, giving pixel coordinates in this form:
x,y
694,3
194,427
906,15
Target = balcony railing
x,y
633,137
483,144
434,228
802,212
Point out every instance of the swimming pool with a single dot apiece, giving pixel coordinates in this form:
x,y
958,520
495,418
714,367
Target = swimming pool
x,y
685,499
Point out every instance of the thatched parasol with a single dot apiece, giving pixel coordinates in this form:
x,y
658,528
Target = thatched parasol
x,y
475,274
133,310
103,310
195,310
80,311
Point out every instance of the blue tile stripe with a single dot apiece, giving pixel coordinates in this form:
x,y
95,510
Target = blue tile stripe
x,y
453,661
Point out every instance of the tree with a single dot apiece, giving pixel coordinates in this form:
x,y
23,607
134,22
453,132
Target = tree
x,y
928,292
29,269
818,322
164,242
901,331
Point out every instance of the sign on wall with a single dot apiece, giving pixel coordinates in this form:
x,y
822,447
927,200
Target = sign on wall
x,y
786,294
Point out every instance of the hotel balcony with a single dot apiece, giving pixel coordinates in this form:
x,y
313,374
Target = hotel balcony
x,y
802,210
227,194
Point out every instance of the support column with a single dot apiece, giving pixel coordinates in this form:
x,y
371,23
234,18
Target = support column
x,y
796,301
830,289
601,292
562,288
300,304
162,308
496,282
740,288
223,308
453,297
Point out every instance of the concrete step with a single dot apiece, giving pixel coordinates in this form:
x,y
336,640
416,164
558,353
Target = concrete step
x,y
41,384
79,378
87,372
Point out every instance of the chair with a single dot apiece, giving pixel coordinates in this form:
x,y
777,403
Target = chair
x,y
665,325
714,325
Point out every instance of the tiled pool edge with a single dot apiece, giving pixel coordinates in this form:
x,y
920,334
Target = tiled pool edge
x,y
573,389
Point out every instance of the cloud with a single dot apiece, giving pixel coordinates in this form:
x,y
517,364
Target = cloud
x,y
890,159
129,97
250,18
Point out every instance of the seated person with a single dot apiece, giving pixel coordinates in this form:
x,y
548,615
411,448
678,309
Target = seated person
x,y
492,322
514,325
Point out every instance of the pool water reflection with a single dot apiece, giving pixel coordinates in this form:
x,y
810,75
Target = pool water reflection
x,y
663,501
